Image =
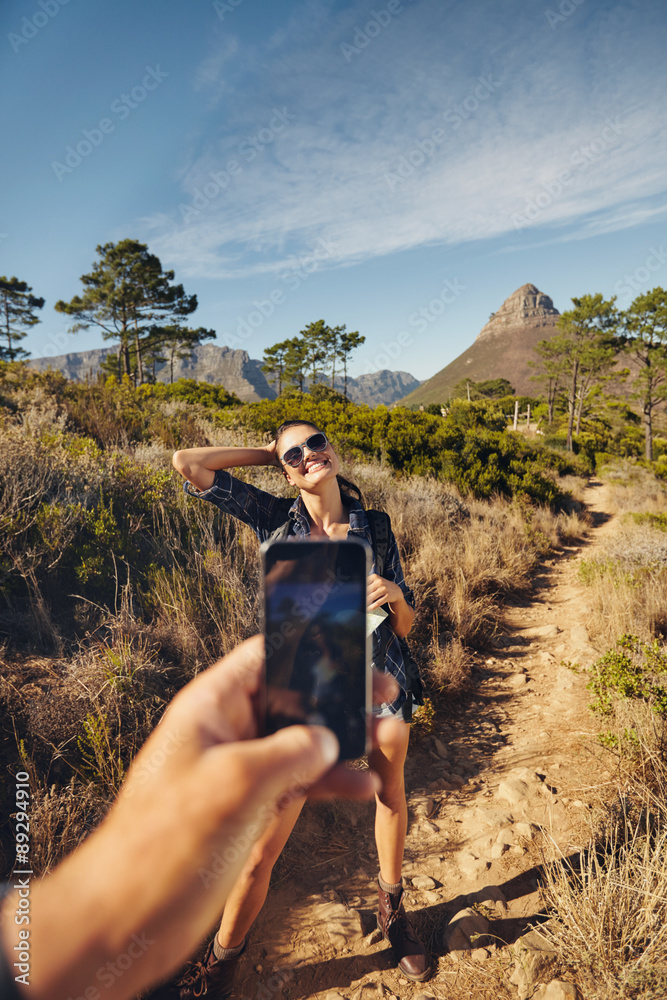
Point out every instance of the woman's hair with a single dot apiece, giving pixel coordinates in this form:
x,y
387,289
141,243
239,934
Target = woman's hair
x,y
347,488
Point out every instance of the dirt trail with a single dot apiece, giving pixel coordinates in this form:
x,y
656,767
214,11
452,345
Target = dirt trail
x,y
513,768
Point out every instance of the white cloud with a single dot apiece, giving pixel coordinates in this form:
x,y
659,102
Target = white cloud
x,y
503,145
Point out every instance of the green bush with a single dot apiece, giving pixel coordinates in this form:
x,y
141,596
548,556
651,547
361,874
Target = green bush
x,y
634,670
469,447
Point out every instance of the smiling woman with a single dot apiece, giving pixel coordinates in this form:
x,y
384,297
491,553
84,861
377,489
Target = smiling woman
x,y
328,506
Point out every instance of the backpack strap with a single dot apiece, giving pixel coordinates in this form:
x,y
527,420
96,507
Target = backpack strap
x,y
380,525
281,523
281,532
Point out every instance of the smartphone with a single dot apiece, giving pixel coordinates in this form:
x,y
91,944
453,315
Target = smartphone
x,y
318,664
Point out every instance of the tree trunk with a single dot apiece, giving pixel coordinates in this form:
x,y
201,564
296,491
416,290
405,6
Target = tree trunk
x,y
580,408
571,404
140,367
126,358
648,433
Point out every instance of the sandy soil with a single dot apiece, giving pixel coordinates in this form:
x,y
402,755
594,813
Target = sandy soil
x,y
501,779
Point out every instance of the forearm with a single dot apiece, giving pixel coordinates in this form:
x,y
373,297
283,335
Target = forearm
x,y
400,617
104,924
199,465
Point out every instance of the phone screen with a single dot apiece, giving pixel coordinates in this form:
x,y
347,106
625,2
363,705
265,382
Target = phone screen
x,y
317,662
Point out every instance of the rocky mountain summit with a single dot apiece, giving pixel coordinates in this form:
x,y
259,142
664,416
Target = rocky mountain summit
x,y
234,369
503,348
528,307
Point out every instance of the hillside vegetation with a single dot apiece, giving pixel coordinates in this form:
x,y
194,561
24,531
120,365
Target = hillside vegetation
x,y
116,589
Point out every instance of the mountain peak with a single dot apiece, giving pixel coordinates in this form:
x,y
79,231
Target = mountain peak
x,y
528,306
503,348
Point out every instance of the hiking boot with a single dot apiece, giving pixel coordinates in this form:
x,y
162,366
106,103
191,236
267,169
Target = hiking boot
x,y
211,977
410,953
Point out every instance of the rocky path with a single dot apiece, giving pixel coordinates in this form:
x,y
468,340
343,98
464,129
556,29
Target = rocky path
x,y
514,772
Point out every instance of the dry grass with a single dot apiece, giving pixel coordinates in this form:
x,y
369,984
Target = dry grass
x,y
611,929
80,710
627,579
610,909
632,487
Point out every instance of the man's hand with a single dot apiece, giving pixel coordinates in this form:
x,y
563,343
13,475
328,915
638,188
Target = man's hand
x,y
151,880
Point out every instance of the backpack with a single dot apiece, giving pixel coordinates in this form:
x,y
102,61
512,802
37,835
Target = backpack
x,y
380,525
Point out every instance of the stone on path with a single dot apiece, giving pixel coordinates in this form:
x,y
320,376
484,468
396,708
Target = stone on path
x,y
557,990
513,790
542,632
471,866
423,882
341,923
466,930
533,956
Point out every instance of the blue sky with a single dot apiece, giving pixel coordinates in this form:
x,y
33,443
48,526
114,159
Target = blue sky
x,y
399,167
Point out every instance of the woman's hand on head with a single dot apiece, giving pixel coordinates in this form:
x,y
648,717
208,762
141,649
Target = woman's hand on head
x,y
381,591
272,452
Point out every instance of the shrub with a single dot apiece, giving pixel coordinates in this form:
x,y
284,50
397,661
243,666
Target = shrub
x,y
635,670
468,448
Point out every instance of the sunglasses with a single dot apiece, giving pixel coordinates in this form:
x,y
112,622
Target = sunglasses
x,y
294,456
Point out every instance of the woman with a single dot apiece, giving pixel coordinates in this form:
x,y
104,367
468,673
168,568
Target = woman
x,y
324,508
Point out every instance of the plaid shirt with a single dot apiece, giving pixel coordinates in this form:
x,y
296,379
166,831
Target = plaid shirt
x,y
264,513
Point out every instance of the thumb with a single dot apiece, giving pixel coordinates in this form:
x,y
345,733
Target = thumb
x,y
295,757
262,771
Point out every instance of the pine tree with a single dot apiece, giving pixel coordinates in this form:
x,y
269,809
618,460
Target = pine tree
x,y
349,341
589,346
315,350
552,368
17,315
645,323
275,361
131,299
294,372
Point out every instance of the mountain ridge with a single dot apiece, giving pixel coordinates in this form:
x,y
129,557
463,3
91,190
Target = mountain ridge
x,y
236,371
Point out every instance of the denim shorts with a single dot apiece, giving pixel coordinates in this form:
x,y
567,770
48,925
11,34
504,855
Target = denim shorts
x,y
392,710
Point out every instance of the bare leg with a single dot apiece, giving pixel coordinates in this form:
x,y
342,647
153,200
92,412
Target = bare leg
x,y
391,816
247,897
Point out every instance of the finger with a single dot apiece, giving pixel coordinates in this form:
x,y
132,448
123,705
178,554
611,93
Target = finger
x,y
376,604
217,706
291,759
